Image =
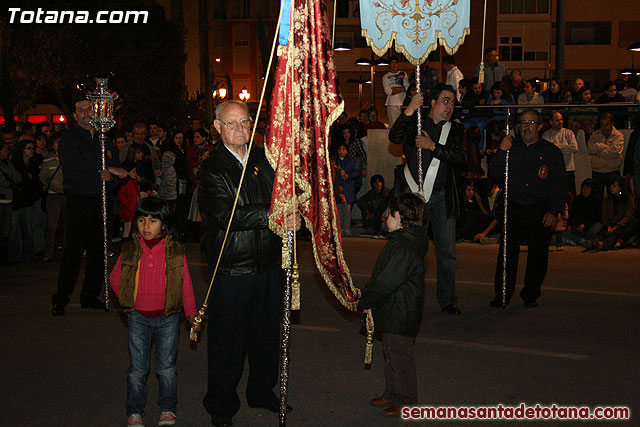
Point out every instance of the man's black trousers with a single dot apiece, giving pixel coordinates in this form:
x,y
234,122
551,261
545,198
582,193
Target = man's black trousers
x,y
82,231
244,319
524,225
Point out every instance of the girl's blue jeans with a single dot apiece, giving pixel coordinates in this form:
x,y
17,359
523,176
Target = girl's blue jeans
x,y
141,329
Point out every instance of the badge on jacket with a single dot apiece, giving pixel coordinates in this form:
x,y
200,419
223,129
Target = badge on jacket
x,y
543,172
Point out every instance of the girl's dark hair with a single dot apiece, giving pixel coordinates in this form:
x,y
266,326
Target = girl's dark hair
x,y
175,133
39,135
133,149
352,132
624,184
587,182
375,178
156,208
18,152
343,144
203,133
499,86
534,84
468,183
410,207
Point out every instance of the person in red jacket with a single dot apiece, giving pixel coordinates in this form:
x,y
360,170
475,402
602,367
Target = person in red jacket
x,y
151,279
128,198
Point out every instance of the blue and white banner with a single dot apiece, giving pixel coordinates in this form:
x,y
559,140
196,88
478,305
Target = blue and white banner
x,y
416,26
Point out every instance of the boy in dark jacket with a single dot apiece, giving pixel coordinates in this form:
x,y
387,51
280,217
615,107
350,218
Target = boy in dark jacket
x,y
394,296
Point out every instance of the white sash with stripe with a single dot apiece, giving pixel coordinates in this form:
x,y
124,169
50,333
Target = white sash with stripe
x,y
432,171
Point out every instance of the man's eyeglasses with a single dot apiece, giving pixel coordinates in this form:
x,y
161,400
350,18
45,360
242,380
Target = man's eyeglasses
x,y
233,124
527,122
29,148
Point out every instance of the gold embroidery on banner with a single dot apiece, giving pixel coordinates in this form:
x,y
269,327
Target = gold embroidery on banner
x,y
299,127
415,31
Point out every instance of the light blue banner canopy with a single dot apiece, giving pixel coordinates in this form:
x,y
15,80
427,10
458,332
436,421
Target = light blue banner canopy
x,y
415,25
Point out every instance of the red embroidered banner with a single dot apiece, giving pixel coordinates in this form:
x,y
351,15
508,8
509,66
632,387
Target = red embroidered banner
x,y
305,103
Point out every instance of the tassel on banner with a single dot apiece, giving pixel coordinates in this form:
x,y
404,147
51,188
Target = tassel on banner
x,y
368,352
197,321
295,288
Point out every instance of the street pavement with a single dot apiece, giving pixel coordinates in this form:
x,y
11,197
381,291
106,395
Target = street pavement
x,y
579,347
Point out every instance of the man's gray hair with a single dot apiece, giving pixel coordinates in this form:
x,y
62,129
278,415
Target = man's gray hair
x,y
220,109
533,111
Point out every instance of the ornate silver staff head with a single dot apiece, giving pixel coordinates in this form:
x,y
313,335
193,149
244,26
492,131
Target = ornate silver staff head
x,y
102,103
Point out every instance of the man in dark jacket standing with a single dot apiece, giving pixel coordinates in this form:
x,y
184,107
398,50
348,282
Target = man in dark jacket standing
x,y
244,310
442,150
538,192
80,156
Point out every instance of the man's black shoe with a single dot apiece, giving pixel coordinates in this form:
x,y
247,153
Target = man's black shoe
x,y
496,303
530,304
221,420
273,407
94,303
452,309
57,310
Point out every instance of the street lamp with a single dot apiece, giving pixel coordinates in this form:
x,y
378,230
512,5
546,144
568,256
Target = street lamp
x,y
633,47
219,94
342,47
244,95
360,83
371,63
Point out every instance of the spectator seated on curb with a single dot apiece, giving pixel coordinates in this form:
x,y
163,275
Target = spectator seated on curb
x,y
373,205
584,216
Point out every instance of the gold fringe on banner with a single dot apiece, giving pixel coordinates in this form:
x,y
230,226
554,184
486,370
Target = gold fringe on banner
x,y
295,288
368,352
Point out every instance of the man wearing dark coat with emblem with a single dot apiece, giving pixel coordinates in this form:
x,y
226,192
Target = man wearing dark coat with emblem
x,y
537,194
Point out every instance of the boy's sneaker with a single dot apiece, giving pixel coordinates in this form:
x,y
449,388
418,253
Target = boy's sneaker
x,y
167,418
135,420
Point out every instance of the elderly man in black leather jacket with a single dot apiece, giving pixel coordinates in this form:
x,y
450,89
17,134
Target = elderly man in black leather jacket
x,y
244,309
443,151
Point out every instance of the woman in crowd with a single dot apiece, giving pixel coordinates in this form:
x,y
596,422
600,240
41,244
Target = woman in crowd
x,y
556,94
610,94
530,94
145,177
583,111
474,217
200,138
617,218
51,177
175,186
26,195
347,171
499,96
42,145
356,151
495,134
584,215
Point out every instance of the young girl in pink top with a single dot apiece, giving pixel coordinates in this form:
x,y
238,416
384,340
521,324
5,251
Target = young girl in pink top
x,y
151,279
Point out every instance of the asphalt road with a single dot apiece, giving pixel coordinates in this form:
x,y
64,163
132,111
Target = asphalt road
x,y
579,347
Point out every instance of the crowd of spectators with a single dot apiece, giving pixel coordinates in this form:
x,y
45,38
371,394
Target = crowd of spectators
x,y
159,161
163,161
577,120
